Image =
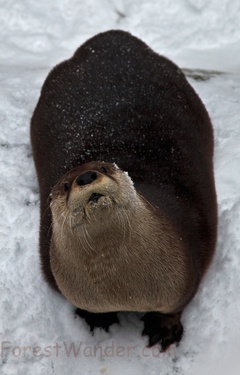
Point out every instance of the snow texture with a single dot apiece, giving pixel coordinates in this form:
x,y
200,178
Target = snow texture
x,y
38,329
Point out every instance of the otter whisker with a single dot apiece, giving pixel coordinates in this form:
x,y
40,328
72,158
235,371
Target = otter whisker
x,y
80,238
122,223
86,239
147,201
71,225
127,222
63,223
50,228
87,234
45,212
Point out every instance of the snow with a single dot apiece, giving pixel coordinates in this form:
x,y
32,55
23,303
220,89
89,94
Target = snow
x,y
37,326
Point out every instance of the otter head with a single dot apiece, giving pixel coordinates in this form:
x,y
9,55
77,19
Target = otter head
x,y
92,196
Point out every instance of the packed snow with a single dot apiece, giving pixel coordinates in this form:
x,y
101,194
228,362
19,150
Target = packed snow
x,y
39,333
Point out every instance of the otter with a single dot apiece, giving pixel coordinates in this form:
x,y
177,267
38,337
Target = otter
x,y
123,149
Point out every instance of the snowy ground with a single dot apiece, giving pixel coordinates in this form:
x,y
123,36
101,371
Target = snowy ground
x,y
37,327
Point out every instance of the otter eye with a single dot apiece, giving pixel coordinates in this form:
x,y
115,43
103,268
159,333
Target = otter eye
x,y
66,186
103,169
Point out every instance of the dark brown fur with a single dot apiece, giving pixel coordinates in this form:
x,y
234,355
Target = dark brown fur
x,y
118,101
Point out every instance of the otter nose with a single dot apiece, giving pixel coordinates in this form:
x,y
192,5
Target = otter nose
x,y
86,178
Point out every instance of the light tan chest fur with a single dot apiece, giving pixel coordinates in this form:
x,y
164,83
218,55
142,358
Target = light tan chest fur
x,y
142,273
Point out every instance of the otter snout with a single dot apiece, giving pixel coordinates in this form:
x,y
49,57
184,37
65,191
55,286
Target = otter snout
x,y
86,179
89,191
